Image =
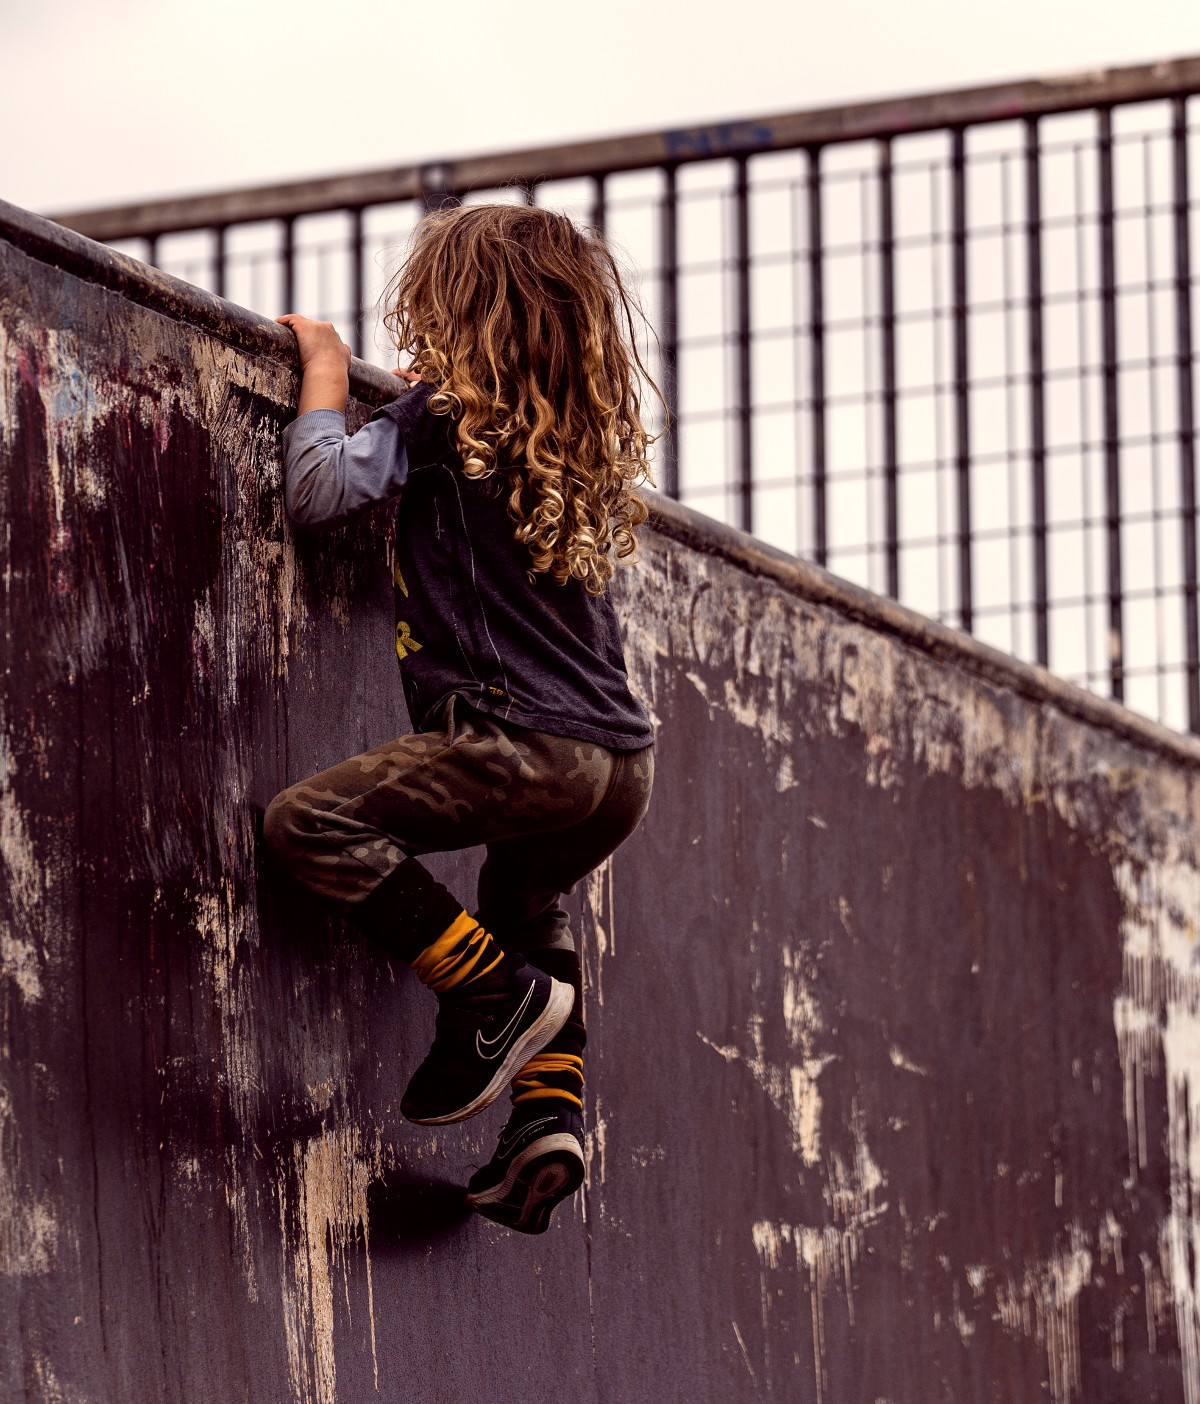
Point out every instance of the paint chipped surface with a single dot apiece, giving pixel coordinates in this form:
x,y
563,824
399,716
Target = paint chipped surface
x,y
1157,1020
326,1220
1045,1306
826,1255
22,869
29,1228
19,963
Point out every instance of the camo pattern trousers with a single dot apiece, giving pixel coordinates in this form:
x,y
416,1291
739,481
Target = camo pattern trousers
x,y
549,810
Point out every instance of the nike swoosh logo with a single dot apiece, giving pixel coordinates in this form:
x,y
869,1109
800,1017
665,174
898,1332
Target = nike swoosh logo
x,y
503,1147
505,1034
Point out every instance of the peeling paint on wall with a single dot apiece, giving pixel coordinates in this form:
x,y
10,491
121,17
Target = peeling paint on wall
x,y
29,1230
327,1218
826,1253
1045,1305
1157,1019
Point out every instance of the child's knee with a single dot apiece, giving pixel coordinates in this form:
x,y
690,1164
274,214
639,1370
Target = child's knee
x,y
283,824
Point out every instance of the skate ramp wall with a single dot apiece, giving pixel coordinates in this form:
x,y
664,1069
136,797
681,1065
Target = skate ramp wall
x,y
894,1009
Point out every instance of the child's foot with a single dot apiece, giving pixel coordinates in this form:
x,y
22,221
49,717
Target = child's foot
x,y
538,1162
483,1038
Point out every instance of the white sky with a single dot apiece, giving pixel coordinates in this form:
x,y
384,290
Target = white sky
x,y
103,103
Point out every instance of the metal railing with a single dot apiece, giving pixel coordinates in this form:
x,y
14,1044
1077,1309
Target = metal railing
x,y
942,345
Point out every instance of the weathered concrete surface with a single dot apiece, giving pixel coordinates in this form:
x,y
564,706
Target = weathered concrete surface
x,y
895,1016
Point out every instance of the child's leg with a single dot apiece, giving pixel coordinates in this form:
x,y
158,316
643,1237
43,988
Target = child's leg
x,y
539,1158
349,833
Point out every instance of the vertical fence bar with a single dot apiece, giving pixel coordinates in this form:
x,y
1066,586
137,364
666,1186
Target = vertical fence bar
x,y
1112,440
887,331
962,391
669,328
1150,204
816,304
288,261
358,293
220,260
152,251
435,192
743,389
599,204
1037,387
1187,409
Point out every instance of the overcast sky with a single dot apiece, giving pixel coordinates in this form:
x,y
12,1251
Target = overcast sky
x,y
103,103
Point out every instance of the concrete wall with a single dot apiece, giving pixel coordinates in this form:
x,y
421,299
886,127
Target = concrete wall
x,y
895,1018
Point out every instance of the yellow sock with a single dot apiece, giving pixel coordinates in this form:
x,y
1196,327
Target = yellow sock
x,y
462,954
550,1075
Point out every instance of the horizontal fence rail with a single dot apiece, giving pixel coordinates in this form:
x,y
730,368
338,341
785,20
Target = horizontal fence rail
x,y
941,345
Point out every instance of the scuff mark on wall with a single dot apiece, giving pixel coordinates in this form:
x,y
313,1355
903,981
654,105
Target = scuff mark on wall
x,y
598,945
222,926
17,849
595,1143
599,918
792,1087
237,1199
1157,1018
1045,1305
50,1389
19,963
322,1213
826,1253
29,1229
789,672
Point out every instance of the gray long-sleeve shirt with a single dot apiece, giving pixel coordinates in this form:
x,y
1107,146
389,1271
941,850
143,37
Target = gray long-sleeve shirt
x,y
327,476
471,618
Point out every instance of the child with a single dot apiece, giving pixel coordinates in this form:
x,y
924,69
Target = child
x,y
514,456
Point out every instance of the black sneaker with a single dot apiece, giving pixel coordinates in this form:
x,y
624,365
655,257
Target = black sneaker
x,y
482,1040
538,1162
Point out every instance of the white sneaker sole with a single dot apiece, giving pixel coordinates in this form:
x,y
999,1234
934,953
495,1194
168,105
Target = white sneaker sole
x,y
561,1143
533,1040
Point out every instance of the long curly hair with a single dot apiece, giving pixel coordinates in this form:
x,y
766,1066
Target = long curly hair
x,y
522,323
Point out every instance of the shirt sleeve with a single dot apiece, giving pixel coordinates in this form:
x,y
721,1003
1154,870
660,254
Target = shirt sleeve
x,y
327,475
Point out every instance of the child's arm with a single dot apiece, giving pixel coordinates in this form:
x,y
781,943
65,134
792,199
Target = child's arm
x,y
324,364
328,476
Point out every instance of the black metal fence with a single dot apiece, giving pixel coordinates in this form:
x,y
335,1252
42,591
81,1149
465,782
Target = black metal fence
x,y
942,345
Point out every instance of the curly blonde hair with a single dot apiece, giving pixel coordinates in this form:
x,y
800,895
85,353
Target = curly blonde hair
x,y
521,322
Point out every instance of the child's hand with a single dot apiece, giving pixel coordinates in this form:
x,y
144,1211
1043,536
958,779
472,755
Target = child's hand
x,y
410,376
318,341
324,363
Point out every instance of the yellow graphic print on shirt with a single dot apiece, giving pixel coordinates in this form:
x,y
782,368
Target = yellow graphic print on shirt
x,y
405,643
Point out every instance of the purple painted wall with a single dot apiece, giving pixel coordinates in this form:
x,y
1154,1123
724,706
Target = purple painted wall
x,y
894,1072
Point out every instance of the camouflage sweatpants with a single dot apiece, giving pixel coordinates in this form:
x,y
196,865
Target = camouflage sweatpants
x,y
548,809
